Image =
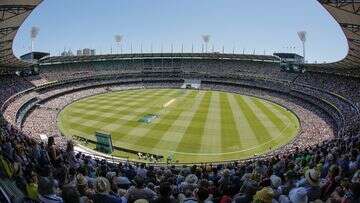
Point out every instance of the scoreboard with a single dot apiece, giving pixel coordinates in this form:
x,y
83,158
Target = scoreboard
x,y
103,142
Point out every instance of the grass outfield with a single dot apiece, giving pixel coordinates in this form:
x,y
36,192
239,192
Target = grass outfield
x,y
195,126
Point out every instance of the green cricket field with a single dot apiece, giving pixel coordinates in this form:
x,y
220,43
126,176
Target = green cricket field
x,y
192,126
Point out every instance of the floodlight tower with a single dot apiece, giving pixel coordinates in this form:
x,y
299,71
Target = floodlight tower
x,y
302,36
118,40
34,31
206,39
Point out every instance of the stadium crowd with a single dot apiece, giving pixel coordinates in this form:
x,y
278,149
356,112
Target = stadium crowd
x,y
315,167
45,173
152,182
346,86
10,85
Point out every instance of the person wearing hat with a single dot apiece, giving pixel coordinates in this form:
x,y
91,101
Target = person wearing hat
x,y
311,184
265,195
102,187
122,181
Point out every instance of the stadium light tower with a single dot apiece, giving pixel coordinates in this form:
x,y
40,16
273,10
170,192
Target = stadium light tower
x,y
34,32
118,40
302,36
206,39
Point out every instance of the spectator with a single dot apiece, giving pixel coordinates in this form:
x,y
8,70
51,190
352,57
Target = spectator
x,y
102,192
139,191
47,190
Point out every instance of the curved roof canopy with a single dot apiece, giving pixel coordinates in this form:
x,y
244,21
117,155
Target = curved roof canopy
x,y
346,12
12,14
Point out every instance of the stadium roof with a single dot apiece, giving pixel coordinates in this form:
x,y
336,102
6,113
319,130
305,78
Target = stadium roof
x,y
12,14
346,13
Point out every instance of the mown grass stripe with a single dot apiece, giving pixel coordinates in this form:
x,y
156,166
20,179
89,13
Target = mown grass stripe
x,y
174,135
93,113
158,130
195,130
260,131
120,114
270,126
151,106
211,141
230,139
101,98
274,118
246,134
281,113
96,117
130,100
289,115
229,136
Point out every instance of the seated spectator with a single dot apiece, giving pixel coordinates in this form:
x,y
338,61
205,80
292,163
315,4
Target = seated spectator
x,y
102,192
139,191
311,184
298,195
247,191
47,190
165,194
264,195
70,195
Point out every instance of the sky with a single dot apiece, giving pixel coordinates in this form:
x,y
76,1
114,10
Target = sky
x,y
237,25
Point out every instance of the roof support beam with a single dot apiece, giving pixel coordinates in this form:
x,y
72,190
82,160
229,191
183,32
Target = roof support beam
x,y
7,30
10,11
351,6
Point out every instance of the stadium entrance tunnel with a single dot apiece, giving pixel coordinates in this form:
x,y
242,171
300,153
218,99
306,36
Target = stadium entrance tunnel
x,y
182,126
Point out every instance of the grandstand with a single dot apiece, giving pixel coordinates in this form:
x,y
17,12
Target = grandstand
x,y
42,163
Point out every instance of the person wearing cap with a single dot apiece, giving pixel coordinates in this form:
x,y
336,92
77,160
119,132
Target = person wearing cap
x,y
102,187
311,184
122,181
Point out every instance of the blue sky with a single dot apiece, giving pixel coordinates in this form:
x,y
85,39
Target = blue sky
x,y
246,25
